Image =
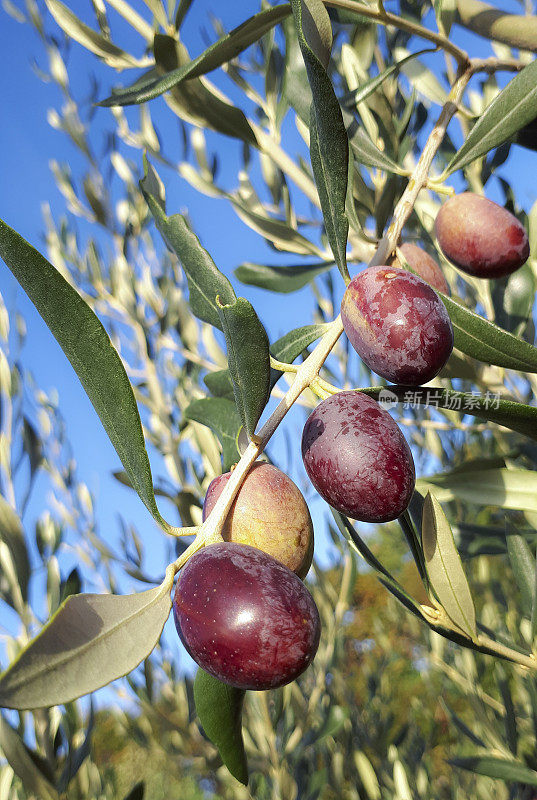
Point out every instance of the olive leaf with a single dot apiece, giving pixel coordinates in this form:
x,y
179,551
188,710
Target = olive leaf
x,y
205,281
513,298
25,763
220,415
12,534
86,344
329,146
91,640
219,709
351,99
481,339
516,416
248,359
94,42
444,567
510,111
523,565
505,488
225,49
499,768
281,279
285,349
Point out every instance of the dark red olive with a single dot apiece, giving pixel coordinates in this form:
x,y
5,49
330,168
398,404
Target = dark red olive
x,y
244,617
357,458
397,324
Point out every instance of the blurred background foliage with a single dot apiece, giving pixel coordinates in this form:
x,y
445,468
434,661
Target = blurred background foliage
x,y
387,705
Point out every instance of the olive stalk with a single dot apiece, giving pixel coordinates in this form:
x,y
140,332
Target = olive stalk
x,y
387,18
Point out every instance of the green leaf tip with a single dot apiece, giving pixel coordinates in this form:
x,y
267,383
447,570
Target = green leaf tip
x,y
219,709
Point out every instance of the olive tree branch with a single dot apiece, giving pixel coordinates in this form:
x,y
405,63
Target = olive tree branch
x,y
308,372
387,18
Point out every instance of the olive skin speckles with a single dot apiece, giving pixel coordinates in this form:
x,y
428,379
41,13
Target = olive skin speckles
x,y
481,237
357,458
244,617
397,324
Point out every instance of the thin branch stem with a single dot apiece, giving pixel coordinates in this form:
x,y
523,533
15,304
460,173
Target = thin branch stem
x,y
306,373
386,18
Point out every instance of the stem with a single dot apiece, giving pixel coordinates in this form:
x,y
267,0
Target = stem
x,y
420,175
306,373
530,662
386,18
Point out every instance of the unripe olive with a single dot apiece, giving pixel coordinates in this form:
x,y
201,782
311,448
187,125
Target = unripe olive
x,y
269,512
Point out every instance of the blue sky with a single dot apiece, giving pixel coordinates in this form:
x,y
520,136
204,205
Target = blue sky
x,y
28,143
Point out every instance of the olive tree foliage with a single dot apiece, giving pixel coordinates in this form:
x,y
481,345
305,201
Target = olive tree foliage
x,y
349,139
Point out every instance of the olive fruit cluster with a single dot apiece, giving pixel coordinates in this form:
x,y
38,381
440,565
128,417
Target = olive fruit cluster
x,y
240,607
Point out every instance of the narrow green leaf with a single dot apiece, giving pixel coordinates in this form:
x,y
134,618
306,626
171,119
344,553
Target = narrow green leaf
x,y
481,339
523,565
365,151
225,49
510,110
505,488
351,99
510,721
292,344
500,768
90,39
220,415
516,416
12,533
86,344
205,281
195,100
219,384
463,728
329,147
359,546
25,763
248,358
91,640
285,349
444,567
280,279
278,232
219,709
332,723
78,755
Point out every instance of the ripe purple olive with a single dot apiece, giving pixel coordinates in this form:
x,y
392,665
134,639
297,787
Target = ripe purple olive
x,y
425,265
269,512
397,324
244,617
481,237
357,458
